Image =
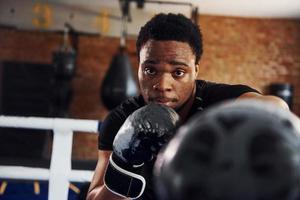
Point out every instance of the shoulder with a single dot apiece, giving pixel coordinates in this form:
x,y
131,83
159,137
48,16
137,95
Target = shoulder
x,y
114,120
206,86
212,92
130,105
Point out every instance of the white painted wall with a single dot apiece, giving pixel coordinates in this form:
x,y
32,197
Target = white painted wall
x,y
84,15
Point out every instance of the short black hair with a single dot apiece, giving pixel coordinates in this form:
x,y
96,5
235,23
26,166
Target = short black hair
x,y
171,27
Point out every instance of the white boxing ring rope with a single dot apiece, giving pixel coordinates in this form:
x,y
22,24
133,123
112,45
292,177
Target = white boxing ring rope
x,y
60,173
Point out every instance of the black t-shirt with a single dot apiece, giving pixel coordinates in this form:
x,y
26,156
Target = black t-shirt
x,y
207,94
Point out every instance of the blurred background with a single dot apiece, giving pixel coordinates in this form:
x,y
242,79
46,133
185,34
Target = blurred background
x,y
55,55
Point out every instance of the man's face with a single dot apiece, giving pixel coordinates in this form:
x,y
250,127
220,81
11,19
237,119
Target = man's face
x,y
167,72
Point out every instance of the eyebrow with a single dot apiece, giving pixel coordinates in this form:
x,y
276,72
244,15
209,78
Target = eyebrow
x,y
150,62
173,62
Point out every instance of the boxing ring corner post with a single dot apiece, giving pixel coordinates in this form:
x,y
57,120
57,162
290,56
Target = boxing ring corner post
x,y
60,172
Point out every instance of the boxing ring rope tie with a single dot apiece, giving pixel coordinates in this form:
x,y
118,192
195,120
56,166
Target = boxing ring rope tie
x,y
60,173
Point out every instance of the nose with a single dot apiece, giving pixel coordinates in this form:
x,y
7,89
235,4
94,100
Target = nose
x,y
163,83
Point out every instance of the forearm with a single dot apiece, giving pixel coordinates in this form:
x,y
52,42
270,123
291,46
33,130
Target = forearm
x,y
102,193
97,190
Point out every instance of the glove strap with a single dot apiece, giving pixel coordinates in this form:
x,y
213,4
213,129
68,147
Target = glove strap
x,y
122,182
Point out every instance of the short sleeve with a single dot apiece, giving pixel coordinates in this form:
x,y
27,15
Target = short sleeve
x,y
114,120
213,93
108,130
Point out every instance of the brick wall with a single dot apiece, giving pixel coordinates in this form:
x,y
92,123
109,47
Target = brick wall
x,y
255,52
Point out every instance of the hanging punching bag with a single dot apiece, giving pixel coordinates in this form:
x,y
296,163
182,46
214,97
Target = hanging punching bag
x,y
284,91
64,64
119,82
64,59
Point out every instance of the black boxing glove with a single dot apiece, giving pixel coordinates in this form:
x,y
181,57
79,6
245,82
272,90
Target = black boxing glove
x,y
138,141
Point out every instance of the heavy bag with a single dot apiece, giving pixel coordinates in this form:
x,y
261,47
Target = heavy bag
x,y
284,91
64,63
119,83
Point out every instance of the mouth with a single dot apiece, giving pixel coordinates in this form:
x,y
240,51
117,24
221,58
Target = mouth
x,y
163,100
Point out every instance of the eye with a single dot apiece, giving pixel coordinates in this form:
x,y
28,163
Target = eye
x,y
149,71
179,73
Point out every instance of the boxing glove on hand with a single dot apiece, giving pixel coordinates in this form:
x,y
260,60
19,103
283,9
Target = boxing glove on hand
x,y
138,141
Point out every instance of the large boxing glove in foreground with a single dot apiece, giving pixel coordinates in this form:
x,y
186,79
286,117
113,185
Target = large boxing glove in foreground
x,y
246,150
138,141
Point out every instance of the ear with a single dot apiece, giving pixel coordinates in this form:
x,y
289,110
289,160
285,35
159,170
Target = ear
x,y
196,70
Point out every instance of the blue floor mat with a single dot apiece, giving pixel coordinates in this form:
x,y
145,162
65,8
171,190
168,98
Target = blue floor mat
x,y
24,190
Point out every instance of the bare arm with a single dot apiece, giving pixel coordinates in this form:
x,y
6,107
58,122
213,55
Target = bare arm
x,y
97,190
272,99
